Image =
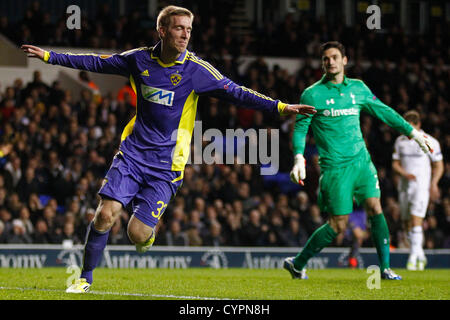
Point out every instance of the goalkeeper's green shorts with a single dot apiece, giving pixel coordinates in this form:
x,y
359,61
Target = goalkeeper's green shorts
x,y
338,186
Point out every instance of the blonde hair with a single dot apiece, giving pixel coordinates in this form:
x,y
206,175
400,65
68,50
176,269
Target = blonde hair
x,y
164,15
412,116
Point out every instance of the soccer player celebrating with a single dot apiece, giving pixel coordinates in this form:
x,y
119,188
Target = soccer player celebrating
x,y
420,174
347,171
154,149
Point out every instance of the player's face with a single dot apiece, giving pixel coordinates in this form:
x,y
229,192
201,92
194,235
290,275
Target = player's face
x,y
332,61
177,34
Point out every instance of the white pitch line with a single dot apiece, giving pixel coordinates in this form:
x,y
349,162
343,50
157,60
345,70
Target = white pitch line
x,y
122,294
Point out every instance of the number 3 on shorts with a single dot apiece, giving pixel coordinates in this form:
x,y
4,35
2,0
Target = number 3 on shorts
x,y
160,209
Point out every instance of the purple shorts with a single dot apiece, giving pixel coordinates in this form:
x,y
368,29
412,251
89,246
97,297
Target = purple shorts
x,y
149,189
356,219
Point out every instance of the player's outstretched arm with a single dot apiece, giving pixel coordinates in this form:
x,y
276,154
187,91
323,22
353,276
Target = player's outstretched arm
x,y
302,123
302,109
111,64
33,51
209,81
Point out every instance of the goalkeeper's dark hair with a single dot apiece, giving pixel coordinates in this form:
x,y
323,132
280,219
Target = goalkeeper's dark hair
x,y
332,44
412,116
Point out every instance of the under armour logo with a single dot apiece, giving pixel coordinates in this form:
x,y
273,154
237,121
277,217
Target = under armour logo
x,y
330,101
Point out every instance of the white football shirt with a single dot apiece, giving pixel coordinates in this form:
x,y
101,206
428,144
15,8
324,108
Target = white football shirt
x,y
415,161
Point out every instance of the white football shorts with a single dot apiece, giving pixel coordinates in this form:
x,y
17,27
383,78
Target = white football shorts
x,y
413,203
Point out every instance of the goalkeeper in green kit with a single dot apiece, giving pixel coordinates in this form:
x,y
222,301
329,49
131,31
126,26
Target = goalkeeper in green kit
x,y
347,171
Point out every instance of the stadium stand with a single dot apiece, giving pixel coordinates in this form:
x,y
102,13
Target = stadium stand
x,y
62,146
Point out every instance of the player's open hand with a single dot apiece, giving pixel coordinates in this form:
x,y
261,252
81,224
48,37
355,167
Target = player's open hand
x,y
299,109
33,51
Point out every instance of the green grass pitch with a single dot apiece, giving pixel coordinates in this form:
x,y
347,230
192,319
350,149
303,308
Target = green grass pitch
x,y
242,284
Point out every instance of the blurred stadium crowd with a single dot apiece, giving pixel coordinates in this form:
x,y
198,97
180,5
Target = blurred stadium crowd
x,y
62,146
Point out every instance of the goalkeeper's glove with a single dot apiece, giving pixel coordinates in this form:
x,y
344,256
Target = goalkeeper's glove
x,y
422,140
298,172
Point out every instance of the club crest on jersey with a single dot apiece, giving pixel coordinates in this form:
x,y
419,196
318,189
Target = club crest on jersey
x,y
157,95
175,78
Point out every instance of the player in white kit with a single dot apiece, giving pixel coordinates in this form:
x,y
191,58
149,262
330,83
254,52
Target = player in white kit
x,y
419,176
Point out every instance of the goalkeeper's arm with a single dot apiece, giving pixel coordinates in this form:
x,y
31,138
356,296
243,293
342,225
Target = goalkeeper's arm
x,y
301,127
378,109
298,172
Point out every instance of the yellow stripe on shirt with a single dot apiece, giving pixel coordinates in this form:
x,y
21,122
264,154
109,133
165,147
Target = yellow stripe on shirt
x,y
184,133
128,129
133,50
46,56
256,93
133,84
130,126
210,68
281,106
179,178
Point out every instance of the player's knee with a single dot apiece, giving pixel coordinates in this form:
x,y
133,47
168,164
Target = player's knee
x,y
374,210
137,236
339,224
373,206
138,232
341,227
105,218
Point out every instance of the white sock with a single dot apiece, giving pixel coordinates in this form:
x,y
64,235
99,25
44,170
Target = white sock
x,y
416,238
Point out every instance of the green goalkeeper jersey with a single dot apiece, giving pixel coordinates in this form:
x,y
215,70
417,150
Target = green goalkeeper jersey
x,y
336,125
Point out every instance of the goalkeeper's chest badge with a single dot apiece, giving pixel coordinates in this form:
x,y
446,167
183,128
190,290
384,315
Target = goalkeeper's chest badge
x,y
175,78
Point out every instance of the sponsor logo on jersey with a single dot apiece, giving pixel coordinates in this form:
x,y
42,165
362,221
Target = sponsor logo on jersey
x,y
156,95
341,112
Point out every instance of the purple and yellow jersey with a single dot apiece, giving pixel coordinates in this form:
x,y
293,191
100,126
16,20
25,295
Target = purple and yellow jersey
x,y
160,134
